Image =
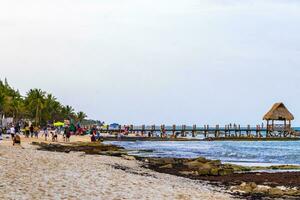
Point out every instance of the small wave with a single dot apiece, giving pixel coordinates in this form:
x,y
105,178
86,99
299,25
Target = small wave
x,y
246,152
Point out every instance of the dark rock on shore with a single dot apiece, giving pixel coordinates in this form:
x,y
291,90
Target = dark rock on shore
x,y
250,185
87,147
285,185
189,167
253,189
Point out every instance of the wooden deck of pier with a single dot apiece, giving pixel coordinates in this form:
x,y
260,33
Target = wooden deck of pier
x,y
278,126
206,131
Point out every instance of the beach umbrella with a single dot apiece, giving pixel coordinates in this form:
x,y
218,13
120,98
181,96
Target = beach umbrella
x,y
104,126
59,124
114,125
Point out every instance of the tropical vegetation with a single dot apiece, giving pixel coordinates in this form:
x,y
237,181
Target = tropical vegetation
x,y
37,106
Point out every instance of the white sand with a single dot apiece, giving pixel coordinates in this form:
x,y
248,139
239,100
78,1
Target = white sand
x,y
31,174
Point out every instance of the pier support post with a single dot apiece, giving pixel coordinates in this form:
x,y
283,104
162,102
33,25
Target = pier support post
x,y
207,128
173,131
183,128
229,130
162,130
194,130
248,131
143,130
268,129
152,130
235,131
258,131
217,131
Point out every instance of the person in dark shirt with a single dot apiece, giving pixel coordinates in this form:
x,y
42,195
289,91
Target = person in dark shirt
x,y
67,133
31,129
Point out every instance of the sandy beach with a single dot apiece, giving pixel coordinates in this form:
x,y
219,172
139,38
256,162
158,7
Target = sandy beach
x,y
28,173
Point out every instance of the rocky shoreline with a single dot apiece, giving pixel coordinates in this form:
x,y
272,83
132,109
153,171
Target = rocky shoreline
x,y
248,184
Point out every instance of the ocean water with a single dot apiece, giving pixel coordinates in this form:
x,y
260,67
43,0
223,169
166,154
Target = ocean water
x,y
247,153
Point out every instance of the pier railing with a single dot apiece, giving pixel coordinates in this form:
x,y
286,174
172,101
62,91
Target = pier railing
x,y
206,131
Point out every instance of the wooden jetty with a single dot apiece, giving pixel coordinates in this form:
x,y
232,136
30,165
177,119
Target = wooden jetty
x,y
278,126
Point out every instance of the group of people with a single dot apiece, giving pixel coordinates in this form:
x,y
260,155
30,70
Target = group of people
x,y
15,130
31,131
95,134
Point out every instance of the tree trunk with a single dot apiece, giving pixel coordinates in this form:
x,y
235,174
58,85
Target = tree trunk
x,y
36,115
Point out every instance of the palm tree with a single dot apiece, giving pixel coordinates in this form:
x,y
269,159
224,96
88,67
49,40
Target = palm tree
x,y
52,108
2,104
68,112
17,108
8,106
36,101
81,116
37,105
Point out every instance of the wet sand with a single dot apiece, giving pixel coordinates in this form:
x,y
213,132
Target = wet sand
x,y
28,173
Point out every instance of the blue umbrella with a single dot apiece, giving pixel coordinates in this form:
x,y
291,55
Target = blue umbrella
x,y
114,125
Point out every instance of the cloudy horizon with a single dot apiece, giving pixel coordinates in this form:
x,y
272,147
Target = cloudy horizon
x,y
145,62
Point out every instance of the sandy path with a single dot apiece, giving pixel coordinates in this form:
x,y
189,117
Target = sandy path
x,y
26,173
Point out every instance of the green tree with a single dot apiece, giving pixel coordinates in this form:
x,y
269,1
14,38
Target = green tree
x,y
2,103
68,112
52,109
36,105
81,116
36,101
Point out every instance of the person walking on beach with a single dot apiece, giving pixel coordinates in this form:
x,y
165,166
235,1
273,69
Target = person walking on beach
x,y
36,132
46,133
12,132
7,130
98,136
67,133
17,128
31,130
27,131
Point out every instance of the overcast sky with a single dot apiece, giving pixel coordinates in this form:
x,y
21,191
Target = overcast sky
x,y
156,61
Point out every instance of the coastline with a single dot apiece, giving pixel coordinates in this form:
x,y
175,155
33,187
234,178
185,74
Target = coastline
x,y
158,139
227,184
28,173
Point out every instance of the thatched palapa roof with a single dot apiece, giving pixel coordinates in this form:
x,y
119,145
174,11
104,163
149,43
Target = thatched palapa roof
x,y
279,112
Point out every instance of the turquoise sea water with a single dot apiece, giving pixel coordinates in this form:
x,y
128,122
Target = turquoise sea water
x,y
262,153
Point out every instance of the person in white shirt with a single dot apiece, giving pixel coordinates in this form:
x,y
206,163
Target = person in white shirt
x,y
12,132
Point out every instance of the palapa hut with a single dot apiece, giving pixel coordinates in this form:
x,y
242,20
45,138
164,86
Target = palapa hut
x,y
278,120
